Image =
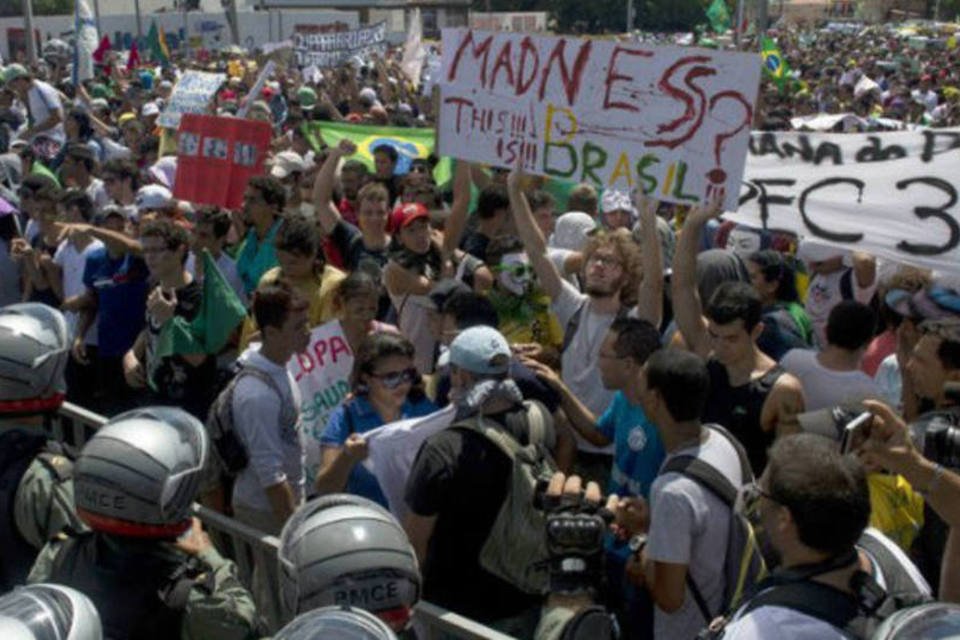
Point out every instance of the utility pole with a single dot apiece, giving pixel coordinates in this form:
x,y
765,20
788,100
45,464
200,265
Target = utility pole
x,y
28,27
136,8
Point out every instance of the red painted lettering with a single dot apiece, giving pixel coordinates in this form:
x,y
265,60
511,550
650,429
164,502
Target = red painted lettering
x,y
527,49
694,112
503,62
477,50
306,364
570,80
320,350
461,103
337,346
613,76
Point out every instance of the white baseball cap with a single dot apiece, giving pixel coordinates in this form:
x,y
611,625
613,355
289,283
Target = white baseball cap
x,y
153,197
287,162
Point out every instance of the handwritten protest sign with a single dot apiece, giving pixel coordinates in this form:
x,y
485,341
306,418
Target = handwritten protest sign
x,y
192,94
893,195
331,49
393,449
322,373
673,121
216,156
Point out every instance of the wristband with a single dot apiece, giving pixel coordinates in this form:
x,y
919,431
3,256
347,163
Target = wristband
x,y
934,481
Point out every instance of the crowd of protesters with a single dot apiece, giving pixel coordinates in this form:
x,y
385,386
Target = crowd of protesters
x,y
611,330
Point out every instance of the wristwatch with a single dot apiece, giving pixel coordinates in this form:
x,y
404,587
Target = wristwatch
x,y
637,543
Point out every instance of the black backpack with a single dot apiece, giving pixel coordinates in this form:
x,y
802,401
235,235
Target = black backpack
x,y
140,590
18,449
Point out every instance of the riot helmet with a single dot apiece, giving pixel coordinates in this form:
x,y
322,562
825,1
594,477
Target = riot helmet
x,y
346,550
140,473
931,621
48,612
34,349
343,623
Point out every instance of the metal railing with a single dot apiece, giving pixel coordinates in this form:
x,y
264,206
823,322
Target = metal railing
x,y
75,425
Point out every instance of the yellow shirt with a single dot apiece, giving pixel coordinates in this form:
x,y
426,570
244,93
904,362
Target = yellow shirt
x,y
318,290
896,509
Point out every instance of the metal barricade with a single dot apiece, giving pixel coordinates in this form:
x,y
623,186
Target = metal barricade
x,y
74,425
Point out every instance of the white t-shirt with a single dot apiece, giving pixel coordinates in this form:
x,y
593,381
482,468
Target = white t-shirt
x,y
72,263
580,359
689,526
227,266
824,294
98,193
413,320
276,454
44,100
825,388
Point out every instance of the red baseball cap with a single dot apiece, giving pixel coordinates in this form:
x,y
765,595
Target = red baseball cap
x,y
404,214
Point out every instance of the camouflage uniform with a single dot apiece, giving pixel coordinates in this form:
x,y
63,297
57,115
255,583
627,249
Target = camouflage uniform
x,y
218,607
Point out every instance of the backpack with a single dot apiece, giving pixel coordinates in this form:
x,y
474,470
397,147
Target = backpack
x,y
17,451
141,592
744,565
851,615
232,453
516,548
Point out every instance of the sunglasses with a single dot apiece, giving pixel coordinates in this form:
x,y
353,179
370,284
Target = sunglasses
x,y
748,501
518,270
394,379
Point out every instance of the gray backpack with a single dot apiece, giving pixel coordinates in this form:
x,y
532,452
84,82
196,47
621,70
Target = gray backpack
x,y
516,548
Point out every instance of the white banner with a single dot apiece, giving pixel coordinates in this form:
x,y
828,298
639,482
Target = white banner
x,y
87,40
192,94
414,52
333,49
393,449
323,374
673,121
893,195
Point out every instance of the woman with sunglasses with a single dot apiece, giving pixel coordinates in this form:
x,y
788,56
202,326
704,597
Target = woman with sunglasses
x,y
386,388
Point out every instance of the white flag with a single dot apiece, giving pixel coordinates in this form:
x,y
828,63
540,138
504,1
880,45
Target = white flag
x,y
87,40
414,52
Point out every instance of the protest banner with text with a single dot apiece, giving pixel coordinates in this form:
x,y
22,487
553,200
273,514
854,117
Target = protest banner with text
x,y
322,373
216,156
672,121
893,194
192,94
332,49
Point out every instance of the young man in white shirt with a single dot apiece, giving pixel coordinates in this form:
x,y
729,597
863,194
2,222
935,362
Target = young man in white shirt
x,y
45,111
686,525
266,410
832,376
835,276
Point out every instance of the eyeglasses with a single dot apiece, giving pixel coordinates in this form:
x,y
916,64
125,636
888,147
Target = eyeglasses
x,y
748,500
517,269
604,261
394,379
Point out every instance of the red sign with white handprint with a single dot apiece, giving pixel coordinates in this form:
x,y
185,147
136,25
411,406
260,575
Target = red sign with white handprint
x,y
216,157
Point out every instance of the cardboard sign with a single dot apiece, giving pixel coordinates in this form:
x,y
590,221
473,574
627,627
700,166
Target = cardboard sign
x,y
192,94
332,49
893,195
322,373
216,157
672,121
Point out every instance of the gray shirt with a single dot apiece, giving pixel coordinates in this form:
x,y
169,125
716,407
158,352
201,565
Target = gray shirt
x,y
688,525
276,451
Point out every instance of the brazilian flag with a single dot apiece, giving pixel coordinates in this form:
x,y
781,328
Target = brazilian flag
x,y
157,43
409,143
774,63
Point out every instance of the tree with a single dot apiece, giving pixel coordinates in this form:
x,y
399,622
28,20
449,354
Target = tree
x,y
608,16
12,8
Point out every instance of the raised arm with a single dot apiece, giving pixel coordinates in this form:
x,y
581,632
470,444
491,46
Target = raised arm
x,y
457,220
687,306
650,296
327,213
530,234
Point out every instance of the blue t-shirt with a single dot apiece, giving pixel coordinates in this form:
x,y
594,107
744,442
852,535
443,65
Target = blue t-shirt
x,y
359,416
638,451
120,285
637,455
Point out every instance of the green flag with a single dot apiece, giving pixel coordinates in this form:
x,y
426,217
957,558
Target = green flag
x,y
719,16
409,143
40,169
157,44
220,313
774,64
